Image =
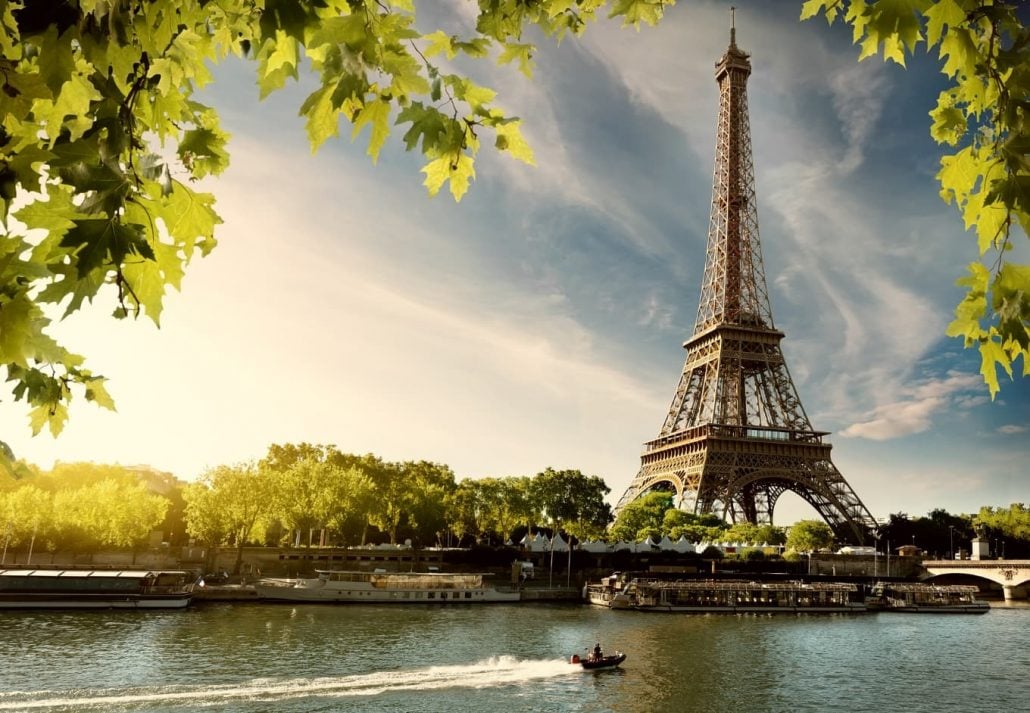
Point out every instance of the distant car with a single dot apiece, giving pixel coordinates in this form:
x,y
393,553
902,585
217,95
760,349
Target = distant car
x,y
220,577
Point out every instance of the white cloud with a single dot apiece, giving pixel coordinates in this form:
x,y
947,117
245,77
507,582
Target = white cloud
x,y
1012,429
914,413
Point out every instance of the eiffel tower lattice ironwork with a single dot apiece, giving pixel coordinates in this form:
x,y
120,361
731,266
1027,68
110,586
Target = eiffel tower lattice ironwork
x,y
736,436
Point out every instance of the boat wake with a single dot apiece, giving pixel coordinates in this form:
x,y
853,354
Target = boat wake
x,y
493,672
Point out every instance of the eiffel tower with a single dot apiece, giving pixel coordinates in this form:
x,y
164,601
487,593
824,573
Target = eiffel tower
x,y
736,436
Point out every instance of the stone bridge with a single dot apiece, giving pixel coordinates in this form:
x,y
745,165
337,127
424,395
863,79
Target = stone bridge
x,y
1012,575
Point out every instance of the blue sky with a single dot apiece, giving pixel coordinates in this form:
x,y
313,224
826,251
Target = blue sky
x,y
539,322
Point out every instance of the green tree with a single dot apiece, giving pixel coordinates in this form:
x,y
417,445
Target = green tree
x,y
125,515
308,495
355,497
204,521
102,137
391,497
984,49
1013,521
809,536
572,500
745,532
645,513
429,487
464,506
29,512
228,503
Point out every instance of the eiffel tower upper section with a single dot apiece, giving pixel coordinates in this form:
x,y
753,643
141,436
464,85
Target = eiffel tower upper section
x,y
734,299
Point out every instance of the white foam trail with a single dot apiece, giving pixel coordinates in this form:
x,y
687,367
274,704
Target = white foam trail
x,y
493,672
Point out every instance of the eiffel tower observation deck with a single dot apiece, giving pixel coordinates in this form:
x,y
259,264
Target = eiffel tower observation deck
x,y
736,436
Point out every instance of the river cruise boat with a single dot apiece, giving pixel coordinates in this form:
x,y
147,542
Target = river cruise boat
x,y
385,588
610,592
913,598
95,589
729,596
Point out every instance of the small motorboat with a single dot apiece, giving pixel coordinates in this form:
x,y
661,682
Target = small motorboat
x,y
597,659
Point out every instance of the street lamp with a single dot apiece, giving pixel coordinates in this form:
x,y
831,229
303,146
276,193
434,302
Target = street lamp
x,y
951,542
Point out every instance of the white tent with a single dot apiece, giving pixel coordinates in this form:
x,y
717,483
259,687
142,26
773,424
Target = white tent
x,y
666,543
683,545
594,546
535,543
558,544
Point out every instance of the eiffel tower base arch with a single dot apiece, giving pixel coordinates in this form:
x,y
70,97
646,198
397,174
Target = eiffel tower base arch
x,y
741,480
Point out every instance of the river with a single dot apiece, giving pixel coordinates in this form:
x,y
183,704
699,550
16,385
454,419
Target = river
x,y
508,658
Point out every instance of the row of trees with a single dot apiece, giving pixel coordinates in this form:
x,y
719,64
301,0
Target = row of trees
x,y
939,532
307,493
310,494
85,507
297,494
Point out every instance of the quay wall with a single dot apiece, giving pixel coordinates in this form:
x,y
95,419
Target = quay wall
x,y
585,566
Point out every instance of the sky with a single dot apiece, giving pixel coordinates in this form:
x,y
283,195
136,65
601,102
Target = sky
x,y
539,322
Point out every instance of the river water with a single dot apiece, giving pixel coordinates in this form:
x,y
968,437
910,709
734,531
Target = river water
x,y
508,658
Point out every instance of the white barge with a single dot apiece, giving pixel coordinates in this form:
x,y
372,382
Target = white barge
x,y
385,588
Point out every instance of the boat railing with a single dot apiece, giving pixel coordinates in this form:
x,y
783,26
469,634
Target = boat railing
x,y
427,581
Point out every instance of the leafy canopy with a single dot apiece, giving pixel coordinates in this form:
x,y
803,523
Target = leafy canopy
x,y
983,117
102,139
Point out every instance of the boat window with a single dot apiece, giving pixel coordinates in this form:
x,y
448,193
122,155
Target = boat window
x,y
432,595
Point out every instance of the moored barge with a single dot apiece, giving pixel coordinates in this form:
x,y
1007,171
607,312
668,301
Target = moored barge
x,y
921,598
385,587
95,589
728,596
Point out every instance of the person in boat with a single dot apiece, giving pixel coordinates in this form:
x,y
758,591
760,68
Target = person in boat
x,y
597,653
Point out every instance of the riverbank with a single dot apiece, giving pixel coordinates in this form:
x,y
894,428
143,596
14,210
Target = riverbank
x,y
247,593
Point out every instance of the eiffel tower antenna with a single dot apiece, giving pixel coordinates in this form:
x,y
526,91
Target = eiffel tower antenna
x,y
736,436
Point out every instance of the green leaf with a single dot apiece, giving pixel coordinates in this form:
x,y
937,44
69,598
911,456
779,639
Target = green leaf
x,y
17,316
100,242
323,117
96,391
458,170
70,111
949,122
959,47
427,124
810,8
633,12
959,174
941,14
376,113
509,138
202,151
521,52
189,217
56,59
991,355
439,43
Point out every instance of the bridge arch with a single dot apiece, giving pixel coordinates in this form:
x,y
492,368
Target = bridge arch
x,y
1012,575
